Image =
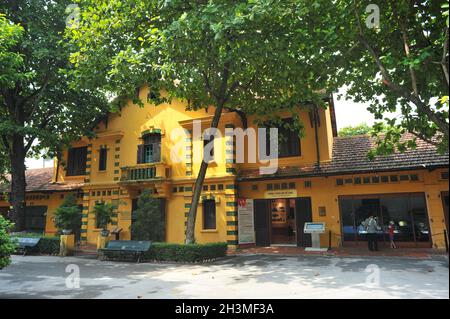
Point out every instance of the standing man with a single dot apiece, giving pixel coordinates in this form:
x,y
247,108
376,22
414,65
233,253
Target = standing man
x,y
372,229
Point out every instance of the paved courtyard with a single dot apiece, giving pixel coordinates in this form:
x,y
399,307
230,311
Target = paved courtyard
x,y
234,277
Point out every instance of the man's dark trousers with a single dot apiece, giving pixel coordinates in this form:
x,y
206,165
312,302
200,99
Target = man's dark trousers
x,y
372,241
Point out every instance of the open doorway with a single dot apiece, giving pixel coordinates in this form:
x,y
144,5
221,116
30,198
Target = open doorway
x,y
283,222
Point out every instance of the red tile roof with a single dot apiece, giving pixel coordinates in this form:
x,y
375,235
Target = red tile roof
x,y
350,157
40,180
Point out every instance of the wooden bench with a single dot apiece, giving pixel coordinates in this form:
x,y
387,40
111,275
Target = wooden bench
x,y
25,244
124,249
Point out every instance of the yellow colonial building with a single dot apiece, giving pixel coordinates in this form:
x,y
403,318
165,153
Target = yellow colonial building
x,y
319,178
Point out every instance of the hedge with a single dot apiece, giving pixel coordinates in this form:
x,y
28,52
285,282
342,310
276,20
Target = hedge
x,y
47,245
176,253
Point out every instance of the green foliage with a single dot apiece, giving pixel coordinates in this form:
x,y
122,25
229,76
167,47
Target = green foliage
x,y
7,247
361,129
68,215
48,245
35,62
10,60
149,224
188,253
39,110
378,69
250,56
104,213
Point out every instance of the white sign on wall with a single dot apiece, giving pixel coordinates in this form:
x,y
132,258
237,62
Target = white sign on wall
x,y
246,227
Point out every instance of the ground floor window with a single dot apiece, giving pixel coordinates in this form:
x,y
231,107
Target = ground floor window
x,y
408,213
35,218
209,214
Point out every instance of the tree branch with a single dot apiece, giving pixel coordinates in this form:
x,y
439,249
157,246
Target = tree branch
x,y
6,143
400,91
444,63
405,39
423,138
36,96
208,84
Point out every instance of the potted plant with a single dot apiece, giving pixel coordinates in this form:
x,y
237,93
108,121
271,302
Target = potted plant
x,y
103,216
68,215
67,219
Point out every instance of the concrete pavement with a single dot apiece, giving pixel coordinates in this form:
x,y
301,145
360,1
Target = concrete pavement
x,y
251,276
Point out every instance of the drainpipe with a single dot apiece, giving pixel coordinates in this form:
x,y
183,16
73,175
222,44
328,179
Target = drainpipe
x,y
316,131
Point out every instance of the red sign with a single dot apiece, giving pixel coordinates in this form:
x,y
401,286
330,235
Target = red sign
x,y
242,202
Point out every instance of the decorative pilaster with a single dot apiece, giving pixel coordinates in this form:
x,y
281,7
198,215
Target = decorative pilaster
x,y
187,207
84,218
230,150
117,160
87,178
232,214
189,154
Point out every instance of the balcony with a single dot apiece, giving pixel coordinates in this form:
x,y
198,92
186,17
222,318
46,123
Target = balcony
x,y
145,172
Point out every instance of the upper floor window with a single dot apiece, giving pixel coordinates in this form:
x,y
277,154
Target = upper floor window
x,y
209,214
150,151
288,141
76,161
103,156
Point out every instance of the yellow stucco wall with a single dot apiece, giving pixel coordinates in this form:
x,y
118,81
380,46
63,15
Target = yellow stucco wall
x,y
325,193
53,201
123,131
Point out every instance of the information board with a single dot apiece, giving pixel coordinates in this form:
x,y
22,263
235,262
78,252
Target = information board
x,y
246,227
314,227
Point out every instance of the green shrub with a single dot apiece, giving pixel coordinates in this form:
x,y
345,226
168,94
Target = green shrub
x,y
149,223
185,253
47,245
175,252
7,246
68,215
104,213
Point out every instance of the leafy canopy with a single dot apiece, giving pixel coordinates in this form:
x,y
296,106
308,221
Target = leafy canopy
x,y
247,54
361,129
401,63
36,102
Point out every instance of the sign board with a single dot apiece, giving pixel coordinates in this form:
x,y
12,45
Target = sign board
x,y
246,227
311,228
287,193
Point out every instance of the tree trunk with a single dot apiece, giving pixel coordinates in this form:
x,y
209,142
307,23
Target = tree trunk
x,y
18,182
190,229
